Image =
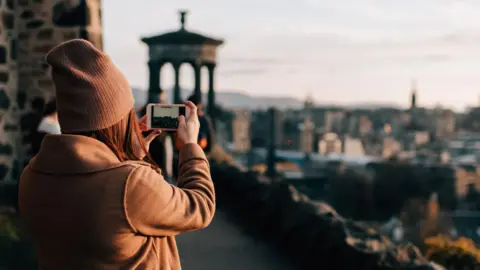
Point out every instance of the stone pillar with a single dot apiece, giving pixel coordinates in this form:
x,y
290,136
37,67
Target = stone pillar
x,y
177,95
154,89
211,93
198,80
10,141
41,26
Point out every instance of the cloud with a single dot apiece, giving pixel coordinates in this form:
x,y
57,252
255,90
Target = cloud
x,y
246,71
260,61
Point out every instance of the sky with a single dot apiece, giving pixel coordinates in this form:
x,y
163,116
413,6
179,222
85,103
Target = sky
x,y
338,51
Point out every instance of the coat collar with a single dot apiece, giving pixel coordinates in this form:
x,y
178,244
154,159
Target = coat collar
x,y
73,154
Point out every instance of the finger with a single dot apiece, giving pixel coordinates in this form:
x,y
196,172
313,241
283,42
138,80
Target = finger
x,y
181,120
192,108
152,136
143,120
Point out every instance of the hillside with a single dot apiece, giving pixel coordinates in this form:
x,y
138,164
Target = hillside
x,y
239,100
232,99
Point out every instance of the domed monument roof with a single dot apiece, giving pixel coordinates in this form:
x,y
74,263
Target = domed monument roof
x,y
182,36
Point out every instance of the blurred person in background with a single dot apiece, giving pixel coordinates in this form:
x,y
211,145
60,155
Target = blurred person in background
x,y
48,125
92,198
30,123
206,137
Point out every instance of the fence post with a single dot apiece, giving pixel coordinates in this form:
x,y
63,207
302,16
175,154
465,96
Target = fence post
x,y
272,115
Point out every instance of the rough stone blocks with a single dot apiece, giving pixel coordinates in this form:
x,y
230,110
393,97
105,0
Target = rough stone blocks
x,y
28,30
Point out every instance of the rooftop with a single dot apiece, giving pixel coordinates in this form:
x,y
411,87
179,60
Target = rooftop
x,y
182,36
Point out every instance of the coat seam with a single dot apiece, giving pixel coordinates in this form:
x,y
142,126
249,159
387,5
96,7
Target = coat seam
x,y
125,190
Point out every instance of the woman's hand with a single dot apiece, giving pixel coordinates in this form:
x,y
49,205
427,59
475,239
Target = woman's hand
x,y
137,148
143,123
188,129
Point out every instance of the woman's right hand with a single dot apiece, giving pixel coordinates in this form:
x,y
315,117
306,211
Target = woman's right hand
x,y
188,129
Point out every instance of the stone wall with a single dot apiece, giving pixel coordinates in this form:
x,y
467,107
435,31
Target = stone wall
x,y
312,234
41,25
30,28
9,114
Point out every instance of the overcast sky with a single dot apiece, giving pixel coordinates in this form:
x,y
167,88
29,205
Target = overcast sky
x,y
342,51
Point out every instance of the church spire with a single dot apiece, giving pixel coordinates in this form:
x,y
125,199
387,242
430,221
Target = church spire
x,y
309,101
413,98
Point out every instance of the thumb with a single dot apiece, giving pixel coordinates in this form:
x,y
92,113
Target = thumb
x,y
181,120
150,137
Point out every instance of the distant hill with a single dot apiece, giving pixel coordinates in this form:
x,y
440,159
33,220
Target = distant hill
x,y
239,100
234,100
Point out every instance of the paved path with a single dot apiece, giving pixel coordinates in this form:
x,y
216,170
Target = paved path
x,y
223,246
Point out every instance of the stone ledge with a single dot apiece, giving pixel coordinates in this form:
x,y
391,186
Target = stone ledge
x,y
312,234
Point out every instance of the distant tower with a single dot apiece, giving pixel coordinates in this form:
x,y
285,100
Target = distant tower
x,y
413,101
309,102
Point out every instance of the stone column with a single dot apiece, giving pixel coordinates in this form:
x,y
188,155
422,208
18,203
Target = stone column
x,y
211,93
154,89
10,141
41,26
177,95
198,80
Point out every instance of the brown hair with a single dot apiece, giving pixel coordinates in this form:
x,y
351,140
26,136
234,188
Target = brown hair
x,y
120,138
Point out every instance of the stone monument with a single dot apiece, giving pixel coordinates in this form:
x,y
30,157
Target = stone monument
x,y
182,47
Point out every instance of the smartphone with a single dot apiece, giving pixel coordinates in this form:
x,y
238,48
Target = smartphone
x,y
165,116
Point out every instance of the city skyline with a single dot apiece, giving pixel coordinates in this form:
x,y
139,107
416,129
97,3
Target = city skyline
x,y
344,53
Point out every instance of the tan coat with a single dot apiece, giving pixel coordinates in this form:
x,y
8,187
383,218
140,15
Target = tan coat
x,y
87,210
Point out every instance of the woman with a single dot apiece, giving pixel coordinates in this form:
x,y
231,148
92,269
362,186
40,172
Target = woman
x,y
91,199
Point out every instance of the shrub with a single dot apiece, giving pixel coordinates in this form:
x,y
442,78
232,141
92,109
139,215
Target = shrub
x,y
453,254
15,251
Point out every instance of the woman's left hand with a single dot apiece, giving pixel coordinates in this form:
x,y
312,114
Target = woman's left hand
x,y
143,123
137,148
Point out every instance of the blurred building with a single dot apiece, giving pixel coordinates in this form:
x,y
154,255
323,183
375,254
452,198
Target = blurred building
x,y
364,125
330,143
334,121
354,147
241,131
260,128
421,137
291,137
445,121
391,147
467,224
306,136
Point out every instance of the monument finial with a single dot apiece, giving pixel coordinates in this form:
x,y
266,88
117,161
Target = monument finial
x,y
183,14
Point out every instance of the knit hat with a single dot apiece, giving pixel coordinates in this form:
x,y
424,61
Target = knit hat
x,y
92,93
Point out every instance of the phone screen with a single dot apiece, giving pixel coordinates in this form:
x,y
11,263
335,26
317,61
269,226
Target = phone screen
x,y
166,117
